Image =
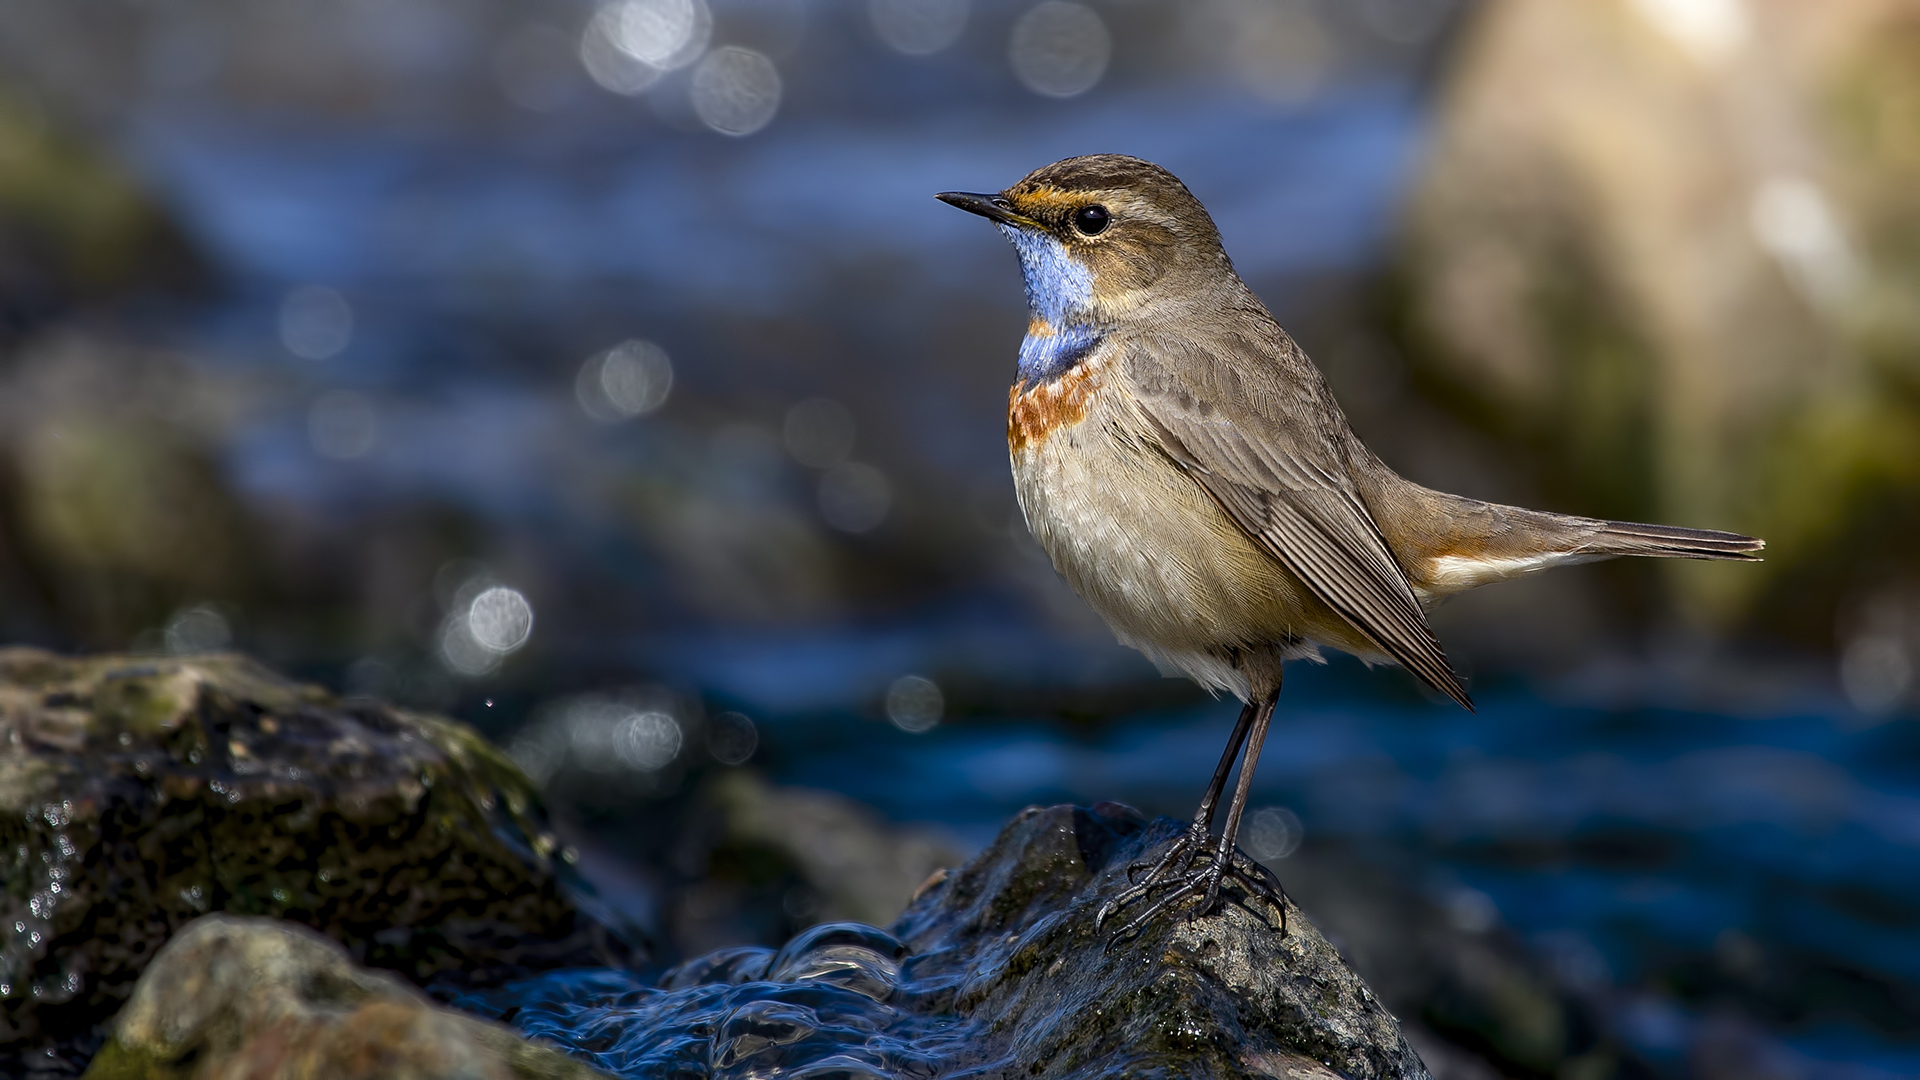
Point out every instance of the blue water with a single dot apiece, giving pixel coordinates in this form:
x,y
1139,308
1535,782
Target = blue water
x,y
1626,845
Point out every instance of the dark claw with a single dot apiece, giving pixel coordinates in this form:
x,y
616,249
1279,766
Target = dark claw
x,y
1185,879
1141,920
1173,864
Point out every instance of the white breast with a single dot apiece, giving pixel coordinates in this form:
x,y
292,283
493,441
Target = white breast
x,y
1150,549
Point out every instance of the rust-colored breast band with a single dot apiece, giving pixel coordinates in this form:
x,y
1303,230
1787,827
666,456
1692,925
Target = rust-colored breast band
x,y
1037,409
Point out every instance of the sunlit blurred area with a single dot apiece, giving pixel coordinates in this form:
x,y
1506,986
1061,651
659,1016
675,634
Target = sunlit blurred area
x,y
606,375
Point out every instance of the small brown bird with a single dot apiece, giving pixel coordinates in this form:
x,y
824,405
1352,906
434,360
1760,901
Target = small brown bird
x,y
1186,468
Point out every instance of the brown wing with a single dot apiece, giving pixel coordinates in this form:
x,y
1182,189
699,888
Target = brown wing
x,y
1281,479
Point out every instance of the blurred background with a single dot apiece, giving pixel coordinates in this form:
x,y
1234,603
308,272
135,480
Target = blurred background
x,y
607,377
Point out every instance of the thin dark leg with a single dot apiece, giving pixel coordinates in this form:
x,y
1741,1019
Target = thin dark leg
x,y
1175,872
1230,835
1203,817
1181,854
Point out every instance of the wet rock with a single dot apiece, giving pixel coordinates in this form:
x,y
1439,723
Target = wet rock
x,y
996,967
267,999
137,794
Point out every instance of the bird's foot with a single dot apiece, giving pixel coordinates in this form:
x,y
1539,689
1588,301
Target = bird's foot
x,y
1174,863
1177,873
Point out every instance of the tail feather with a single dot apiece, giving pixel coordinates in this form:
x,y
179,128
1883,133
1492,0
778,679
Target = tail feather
x,y
1487,542
1671,541
1448,544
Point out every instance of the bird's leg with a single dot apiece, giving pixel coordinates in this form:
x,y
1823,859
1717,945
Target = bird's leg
x,y
1230,835
1203,816
1180,855
1225,861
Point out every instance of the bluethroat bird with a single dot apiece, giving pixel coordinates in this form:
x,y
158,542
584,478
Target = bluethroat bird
x,y
1185,466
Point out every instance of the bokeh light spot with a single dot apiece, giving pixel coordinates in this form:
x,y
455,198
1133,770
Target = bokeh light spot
x,y
918,27
1060,49
1471,911
631,379
500,619
648,740
315,322
915,704
197,629
1708,30
461,653
732,738
1273,832
1796,224
608,65
637,734
735,91
665,34
488,622
1876,673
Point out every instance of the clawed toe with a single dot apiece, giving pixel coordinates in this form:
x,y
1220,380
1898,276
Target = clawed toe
x,y
1174,864
1177,873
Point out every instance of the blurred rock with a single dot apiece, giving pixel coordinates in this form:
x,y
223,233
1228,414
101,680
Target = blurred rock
x,y
73,227
115,511
1662,258
137,794
265,999
996,967
858,867
737,860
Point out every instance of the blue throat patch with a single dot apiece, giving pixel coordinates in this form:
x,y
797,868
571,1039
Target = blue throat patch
x,y
1045,357
1060,296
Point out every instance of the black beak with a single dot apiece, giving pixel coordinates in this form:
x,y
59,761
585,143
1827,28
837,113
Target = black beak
x,y
991,207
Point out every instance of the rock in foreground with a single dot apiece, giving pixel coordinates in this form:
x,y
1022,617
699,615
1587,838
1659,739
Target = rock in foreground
x,y
995,969
266,999
139,793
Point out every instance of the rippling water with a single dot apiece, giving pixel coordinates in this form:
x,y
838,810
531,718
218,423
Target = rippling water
x,y
1756,847
832,1002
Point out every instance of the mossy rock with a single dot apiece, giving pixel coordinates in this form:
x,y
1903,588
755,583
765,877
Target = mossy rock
x,y
138,793
266,999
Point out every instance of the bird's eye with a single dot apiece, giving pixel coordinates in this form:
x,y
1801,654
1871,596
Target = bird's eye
x,y
1091,220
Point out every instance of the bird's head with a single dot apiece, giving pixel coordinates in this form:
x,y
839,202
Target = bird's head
x,y
1102,236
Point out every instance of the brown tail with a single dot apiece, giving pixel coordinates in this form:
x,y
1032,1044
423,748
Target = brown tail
x,y
1671,541
1448,544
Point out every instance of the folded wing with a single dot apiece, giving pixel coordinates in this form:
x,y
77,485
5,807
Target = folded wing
x,y
1285,485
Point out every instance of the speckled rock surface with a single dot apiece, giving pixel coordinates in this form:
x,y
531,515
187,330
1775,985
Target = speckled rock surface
x,y
995,970
1230,993
270,1000
137,794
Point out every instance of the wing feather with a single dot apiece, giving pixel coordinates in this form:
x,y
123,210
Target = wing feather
x,y
1290,493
